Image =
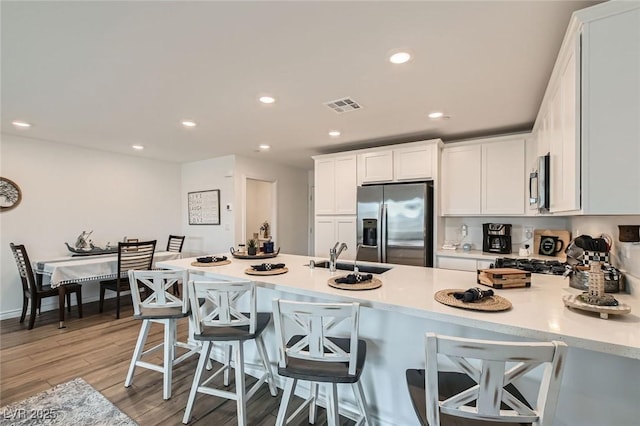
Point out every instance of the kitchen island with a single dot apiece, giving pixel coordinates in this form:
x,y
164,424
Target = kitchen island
x,y
600,384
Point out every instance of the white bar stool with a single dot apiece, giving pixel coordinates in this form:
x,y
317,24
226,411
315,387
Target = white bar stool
x,y
306,352
162,307
482,393
219,320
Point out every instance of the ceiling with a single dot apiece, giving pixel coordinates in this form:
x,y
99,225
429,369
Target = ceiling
x,y
107,75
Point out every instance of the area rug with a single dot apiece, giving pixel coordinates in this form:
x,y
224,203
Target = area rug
x,y
71,403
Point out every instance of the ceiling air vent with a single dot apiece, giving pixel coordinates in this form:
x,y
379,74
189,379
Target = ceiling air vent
x,y
343,105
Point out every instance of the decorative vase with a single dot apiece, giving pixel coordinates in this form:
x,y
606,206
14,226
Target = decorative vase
x,y
252,251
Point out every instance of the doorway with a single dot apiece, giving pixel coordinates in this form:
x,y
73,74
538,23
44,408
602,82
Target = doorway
x,y
260,210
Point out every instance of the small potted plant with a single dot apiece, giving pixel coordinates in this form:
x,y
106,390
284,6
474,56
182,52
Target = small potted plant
x,y
252,247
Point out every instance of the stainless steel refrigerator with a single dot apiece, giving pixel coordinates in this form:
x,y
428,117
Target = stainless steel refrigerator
x,y
395,223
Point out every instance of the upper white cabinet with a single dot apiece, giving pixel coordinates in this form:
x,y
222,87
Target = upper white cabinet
x,y
460,185
415,162
558,129
407,162
588,120
484,177
503,177
335,184
611,110
376,166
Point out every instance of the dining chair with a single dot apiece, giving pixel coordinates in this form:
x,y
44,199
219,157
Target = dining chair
x,y
174,244
482,391
307,351
157,305
35,291
134,255
220,320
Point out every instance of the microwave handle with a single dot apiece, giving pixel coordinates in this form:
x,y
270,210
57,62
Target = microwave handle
x,y
533,183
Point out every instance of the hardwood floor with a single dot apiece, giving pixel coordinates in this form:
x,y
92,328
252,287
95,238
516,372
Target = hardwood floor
x,y
98,349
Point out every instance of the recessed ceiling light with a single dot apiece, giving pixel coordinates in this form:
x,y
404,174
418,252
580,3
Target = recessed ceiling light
x,y
137,147
436,114
21,124
399,58
267,99
334,133
264,146
188,123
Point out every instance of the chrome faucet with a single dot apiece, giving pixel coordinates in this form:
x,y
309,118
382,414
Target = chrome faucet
x,y
334,253
355,260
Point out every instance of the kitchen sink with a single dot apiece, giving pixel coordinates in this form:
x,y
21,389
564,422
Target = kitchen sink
x,y
367,269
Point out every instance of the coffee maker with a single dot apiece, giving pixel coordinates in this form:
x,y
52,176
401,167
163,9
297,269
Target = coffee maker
x,y
496,238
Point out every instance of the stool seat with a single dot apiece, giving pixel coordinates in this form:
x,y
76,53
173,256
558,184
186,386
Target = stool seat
x,y
451,383
230,333
320,371
161,313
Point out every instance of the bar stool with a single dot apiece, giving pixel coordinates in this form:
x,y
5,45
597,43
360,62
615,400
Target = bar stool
x,y
488,370
159,306
220,320
306,352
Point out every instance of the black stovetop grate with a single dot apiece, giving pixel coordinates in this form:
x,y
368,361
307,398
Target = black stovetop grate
x,y
538,266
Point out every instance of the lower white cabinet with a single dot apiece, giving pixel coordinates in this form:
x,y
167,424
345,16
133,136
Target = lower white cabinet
x,y
462,264
331,229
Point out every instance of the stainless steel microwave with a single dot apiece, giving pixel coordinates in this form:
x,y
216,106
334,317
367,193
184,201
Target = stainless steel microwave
x,y
539,184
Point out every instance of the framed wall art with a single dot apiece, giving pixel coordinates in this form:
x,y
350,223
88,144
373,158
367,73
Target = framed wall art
x,y
10,194
204,207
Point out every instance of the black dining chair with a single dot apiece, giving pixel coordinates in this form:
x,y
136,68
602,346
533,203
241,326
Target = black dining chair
x,y
35,291
174,244
133,255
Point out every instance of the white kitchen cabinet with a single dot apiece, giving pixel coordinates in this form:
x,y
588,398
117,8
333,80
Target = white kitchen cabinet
x,y
589,114
377,166
407,162
461,180
610,125
335,185
331,229
503,177
462,264
415,162
564,146
486,177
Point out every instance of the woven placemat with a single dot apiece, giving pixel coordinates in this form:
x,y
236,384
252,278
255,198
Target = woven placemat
x,y
367,285
251,271
490,304
222,262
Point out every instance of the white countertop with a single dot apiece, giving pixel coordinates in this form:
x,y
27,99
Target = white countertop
x,y
538,312
479,254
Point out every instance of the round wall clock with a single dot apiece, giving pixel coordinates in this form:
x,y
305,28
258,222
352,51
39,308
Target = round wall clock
x,y
10,194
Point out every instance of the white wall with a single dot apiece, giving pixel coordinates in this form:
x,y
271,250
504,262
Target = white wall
x,y
229,174
258,207
214,173
67,190
292,205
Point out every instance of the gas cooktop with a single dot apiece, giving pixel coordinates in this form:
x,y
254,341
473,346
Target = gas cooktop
x,y
538,266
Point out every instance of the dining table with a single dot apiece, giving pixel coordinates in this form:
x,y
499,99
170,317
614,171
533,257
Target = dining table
x,y
78,269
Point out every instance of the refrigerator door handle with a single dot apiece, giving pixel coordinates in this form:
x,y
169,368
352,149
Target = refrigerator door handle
x,y
383,233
